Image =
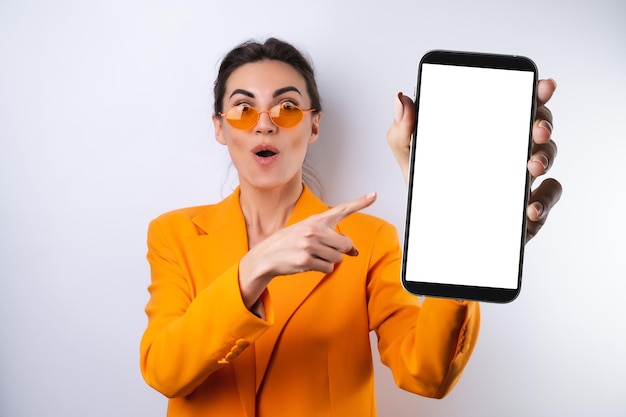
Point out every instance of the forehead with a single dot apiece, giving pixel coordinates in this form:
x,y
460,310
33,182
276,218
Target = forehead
x,y
264,78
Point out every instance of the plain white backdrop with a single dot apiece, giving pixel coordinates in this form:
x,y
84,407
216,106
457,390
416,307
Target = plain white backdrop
x,y
105,123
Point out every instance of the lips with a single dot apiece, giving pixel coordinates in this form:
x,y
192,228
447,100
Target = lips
x,y
265,150
265,153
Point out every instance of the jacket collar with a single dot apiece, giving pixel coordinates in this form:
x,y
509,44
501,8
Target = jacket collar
x,y
229,210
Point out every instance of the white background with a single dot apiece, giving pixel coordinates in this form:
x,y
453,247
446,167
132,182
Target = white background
x,y
105,123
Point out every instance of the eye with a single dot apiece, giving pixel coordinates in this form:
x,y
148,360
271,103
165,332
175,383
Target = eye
x,y
288,102
288,106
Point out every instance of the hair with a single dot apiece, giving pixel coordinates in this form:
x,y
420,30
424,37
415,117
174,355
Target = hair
x,y
271,50
274,50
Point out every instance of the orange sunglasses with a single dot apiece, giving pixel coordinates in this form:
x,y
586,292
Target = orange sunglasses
x,y
283,115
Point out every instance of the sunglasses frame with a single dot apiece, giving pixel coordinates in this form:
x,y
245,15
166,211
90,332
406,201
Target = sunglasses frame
x,y
269,112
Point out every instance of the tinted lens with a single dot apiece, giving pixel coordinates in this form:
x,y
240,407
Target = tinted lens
x,y
286,115
242,117
283,115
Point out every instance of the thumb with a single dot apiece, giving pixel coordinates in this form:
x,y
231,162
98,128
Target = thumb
x,y
400,131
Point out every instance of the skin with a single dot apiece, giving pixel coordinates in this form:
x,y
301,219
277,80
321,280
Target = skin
x,y
270,189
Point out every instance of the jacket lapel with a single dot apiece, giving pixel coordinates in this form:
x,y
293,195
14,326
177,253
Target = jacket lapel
x,y
221,239
288,292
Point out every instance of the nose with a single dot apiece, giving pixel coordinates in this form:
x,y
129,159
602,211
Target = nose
x,y
265,124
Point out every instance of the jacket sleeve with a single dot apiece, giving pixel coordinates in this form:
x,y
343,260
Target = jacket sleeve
x,y
426,345
190,335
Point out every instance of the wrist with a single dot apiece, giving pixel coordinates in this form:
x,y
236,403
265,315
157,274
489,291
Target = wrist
x,y
253,279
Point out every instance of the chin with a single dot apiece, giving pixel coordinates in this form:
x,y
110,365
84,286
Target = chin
x,y
273,183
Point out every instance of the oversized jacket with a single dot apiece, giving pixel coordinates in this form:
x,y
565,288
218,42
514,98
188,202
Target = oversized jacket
x,y
311,354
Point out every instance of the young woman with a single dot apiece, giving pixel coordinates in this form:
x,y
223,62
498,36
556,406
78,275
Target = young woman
x,y
262,304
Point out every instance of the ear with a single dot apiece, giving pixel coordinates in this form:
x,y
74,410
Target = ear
x,y
219,131
315,127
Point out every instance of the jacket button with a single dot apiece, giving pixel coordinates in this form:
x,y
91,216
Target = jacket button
x,y
230,356
242,343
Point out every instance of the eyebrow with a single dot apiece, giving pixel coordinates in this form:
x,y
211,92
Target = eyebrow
x,y
285,90
277,93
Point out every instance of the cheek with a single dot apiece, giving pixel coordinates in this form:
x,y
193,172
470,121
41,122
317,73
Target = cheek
x,y
236,145
306,136
300,146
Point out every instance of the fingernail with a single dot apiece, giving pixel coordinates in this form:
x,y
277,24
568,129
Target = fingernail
x,y
542,159
546,125
353,252
371,195
398,108
538,208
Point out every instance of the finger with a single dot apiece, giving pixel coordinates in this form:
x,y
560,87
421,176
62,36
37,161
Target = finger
x,y
401,129
543,198
543,155
333,250
545,89
318,264
331,246
336,214
314,257
540,203
353,252
542,127
404,110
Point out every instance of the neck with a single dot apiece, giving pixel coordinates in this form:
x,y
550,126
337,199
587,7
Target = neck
x,y
267,210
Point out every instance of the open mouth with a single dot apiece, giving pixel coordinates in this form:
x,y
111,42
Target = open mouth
x,y
265,153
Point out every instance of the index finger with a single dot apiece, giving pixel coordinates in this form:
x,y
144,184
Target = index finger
x,y
338,213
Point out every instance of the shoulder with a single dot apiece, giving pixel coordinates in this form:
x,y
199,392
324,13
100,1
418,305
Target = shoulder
x,y
182,214
179,222
204,217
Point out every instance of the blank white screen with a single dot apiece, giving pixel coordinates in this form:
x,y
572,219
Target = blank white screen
x,y
469,176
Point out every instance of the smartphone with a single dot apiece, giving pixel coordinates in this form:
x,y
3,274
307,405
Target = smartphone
x,y
468,180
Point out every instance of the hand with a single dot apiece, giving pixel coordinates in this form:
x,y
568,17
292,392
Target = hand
x,y
310,245
544,150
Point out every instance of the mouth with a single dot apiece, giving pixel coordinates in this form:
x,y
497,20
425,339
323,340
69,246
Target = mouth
x,y
265,151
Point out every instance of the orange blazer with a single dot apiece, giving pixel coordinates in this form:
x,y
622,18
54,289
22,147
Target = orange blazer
x,y
311,356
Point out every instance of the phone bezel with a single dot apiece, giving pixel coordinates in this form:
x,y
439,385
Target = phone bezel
x,y
466,292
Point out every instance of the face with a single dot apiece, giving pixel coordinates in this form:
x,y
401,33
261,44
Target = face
x,y
267,156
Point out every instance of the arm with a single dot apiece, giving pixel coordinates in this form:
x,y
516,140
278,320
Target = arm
x,y
189,336
426,346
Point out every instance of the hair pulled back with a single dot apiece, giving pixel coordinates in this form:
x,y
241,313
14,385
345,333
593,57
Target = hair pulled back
x,y
272,49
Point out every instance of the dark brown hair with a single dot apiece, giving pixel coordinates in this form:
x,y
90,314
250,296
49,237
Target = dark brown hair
x,y
272,49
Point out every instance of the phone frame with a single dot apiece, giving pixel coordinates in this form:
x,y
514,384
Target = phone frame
x,y
467,292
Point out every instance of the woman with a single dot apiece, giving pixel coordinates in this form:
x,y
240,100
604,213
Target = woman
x,y
262,304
